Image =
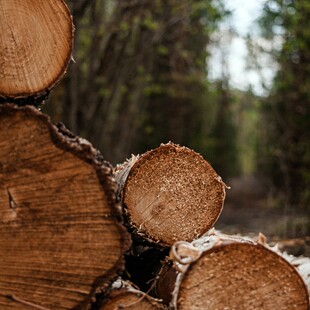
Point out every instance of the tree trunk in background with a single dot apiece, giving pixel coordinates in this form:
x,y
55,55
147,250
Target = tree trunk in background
x,y
105,101
174,112
224,151
36,40
125,65
286,111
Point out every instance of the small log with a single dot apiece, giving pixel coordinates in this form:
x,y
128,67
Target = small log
x,y
36,39
61,237
125,296
224,272
170,193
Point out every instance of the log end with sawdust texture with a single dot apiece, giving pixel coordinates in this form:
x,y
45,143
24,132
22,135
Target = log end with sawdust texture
x,y
227,272
170,193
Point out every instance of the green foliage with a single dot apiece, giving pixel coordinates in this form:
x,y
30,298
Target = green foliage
x,y
222,146
150,23
140,79
246,115
162,50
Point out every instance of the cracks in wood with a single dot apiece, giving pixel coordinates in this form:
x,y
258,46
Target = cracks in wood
x,y
23,302
12,203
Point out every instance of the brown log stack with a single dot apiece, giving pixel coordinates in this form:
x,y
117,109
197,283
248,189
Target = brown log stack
x,y
60,233
36,39
62,242
170,193
62,237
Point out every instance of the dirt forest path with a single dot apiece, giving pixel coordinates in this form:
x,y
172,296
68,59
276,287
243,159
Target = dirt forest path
x,y
248,212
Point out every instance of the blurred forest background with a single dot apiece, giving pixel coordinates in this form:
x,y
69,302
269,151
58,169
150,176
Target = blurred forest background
x,y
141,77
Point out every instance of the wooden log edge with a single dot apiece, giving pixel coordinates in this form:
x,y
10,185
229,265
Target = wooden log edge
x,y
82,149
78,146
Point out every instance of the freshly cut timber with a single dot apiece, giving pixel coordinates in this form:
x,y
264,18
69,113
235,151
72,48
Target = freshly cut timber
x,y
170,193
60,233
125,296
225,272
36,39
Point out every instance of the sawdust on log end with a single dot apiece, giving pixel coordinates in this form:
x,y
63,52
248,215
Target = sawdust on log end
x,y
172,193
241,276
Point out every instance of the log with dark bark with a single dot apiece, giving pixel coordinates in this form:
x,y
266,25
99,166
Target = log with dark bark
x,y
226,272
61,236
125,296
170,193
36,38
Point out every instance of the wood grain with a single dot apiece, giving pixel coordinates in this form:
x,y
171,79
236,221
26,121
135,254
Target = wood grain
x,y
60,235
228,272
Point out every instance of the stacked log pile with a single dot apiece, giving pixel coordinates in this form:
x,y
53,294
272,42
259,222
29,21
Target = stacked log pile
x,y
74,230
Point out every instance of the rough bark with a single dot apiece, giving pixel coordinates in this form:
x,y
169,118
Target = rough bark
x,y
125,296
225,272
36,38
170,193
61,237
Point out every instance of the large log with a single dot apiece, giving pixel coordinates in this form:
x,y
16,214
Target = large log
x,y
125,296
36,38
224,272
170,193
61,237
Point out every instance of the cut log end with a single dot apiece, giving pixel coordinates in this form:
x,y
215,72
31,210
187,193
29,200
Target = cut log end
x,y
241,276
36,38
60,233
172,193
